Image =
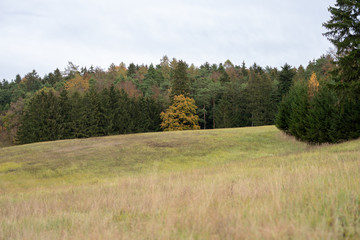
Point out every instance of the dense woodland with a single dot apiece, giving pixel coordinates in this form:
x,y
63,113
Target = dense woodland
x,y
83,102
318,103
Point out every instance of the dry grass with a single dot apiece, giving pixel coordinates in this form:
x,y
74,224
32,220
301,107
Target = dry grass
x,y
264,189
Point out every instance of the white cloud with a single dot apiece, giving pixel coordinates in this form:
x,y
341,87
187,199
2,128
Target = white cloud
x,y
43,35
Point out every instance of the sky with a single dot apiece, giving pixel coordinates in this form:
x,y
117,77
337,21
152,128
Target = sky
x,y
47,34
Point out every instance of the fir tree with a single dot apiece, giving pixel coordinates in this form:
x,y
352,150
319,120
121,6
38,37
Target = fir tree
x,y
344,32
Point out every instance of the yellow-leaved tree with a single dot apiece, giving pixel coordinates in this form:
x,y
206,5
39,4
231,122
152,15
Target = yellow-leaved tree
x,y
181,115
78,82
313,85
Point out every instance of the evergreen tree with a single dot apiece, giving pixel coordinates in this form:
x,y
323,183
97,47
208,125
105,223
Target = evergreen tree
x,y
201,91
17,79
5,95
65,121
259,90
180,80
106,113
53,78
153,110
115,108
77,115
344,32
40,121
285,80
32,81
299,105
123,121
148,81
283,114
224,77
231,111
321,114
131,70
92,113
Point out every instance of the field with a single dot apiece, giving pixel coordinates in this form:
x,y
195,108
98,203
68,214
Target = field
x,y
245,183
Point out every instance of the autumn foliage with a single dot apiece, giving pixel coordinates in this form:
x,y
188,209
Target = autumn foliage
x,y
78,82
181,115
313,85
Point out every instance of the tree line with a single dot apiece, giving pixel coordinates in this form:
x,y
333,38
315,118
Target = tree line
x,y
226,95
50,116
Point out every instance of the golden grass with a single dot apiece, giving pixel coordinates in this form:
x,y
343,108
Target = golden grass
x,y
251,183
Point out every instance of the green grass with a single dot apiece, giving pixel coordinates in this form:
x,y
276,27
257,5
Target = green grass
x,y
246,183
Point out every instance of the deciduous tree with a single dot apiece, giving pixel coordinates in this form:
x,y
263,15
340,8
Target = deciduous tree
x,y
181,115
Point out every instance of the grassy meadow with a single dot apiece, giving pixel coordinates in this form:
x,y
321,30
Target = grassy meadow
x,y
245,183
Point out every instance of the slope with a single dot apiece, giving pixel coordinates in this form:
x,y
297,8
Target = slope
x,y
247,183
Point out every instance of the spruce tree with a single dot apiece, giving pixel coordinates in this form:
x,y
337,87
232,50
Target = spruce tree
x,y
285,80
298,111
131,70
40,121
106,112
344,32
115,103
180,80
65,121
259,92
93,115
321,114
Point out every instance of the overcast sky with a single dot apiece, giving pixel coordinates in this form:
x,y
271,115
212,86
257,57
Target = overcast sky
x,y
46,34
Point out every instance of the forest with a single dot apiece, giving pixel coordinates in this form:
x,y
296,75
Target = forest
x,y
83,102
319,103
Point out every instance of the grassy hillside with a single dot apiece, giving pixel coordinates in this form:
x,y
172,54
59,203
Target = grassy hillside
x,y
248,183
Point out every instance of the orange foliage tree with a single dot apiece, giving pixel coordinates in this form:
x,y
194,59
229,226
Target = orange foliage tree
x,y
181,115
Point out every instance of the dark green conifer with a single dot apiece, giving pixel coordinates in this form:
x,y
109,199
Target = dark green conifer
x,y
344,32
180,80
